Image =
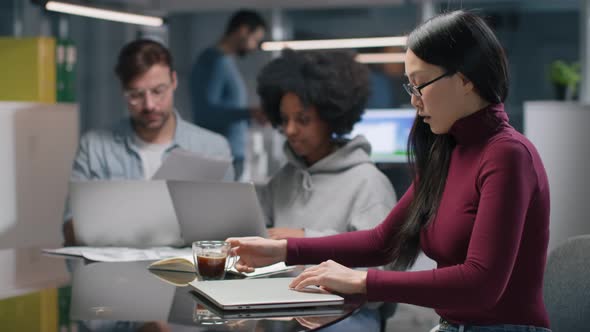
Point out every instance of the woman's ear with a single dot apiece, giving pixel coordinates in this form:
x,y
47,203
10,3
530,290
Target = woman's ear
x,y
467,84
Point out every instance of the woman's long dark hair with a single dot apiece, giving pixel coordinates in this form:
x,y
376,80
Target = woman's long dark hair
x,y
460,42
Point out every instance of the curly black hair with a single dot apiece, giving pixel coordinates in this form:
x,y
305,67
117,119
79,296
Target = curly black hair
x,y
333,82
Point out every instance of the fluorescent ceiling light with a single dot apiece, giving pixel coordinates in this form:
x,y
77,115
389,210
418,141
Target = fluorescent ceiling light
x,y
104,14
334,43
381,57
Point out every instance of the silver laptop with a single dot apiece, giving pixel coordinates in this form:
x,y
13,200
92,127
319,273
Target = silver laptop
x,y
123,213
269,293
211,312
216,210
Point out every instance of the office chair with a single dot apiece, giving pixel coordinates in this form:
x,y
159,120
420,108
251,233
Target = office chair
x,y
567,285
387,309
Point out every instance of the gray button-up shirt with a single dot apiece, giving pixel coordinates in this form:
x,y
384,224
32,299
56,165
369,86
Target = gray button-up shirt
x,y
113,154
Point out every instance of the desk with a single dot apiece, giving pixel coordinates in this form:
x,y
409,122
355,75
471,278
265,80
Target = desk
x,y
49,293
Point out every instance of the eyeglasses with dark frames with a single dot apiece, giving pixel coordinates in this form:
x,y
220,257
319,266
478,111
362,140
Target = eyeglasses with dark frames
x,y
417,90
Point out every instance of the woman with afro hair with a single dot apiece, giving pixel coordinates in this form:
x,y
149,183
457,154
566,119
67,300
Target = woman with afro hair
x,y
315,98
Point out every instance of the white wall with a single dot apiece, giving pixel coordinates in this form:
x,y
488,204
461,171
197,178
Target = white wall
x,y
561,134
37,146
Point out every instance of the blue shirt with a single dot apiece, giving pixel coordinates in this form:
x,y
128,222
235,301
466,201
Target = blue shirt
x,y
219,98
114,155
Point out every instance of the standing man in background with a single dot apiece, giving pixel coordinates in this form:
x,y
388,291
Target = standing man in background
x,y
218,91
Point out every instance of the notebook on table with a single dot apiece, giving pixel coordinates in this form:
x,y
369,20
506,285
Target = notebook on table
x,y
269,293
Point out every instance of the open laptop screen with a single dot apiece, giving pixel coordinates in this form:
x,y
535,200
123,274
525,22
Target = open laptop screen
x,y
387,130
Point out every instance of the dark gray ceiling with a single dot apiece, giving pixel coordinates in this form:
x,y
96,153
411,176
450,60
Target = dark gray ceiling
x,y
175,6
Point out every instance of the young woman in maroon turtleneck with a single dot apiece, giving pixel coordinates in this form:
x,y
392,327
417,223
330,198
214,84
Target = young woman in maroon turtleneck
x,y
478,206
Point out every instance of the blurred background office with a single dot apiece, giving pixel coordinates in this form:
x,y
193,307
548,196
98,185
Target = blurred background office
x,y
66,62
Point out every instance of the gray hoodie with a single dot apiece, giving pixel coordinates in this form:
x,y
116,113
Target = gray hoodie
x,y
342,192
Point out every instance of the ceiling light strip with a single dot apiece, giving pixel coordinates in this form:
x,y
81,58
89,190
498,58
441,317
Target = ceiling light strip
x,y
334,43
104,14
381,57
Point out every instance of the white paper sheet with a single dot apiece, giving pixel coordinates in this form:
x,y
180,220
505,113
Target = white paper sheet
x,y
124,254
182,165
120,254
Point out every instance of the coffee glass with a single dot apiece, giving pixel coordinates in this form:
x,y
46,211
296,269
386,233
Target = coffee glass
x,y
212,259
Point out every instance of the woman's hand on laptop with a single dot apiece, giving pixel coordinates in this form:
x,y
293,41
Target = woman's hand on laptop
x,y
332,277
257,252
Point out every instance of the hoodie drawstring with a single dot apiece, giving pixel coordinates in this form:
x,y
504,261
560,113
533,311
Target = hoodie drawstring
x,y
306,182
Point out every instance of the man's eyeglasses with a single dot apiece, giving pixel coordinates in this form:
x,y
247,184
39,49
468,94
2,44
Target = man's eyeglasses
x,y
417,90
137,97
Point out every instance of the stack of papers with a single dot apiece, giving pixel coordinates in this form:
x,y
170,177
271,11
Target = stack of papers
x,y
120,254
167,258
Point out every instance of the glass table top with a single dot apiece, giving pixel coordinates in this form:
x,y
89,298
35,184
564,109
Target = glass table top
x,y
40,292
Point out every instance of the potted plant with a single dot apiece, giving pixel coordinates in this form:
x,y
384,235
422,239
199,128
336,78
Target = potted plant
x,y
565,78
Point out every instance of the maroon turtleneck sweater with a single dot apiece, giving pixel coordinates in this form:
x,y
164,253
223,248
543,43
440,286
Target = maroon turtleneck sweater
x,y
489,236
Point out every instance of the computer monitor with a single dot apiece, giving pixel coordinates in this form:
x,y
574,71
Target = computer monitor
x,y
387,130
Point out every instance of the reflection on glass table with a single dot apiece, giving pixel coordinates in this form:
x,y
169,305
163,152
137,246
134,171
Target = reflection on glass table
x,y
77,295
126,296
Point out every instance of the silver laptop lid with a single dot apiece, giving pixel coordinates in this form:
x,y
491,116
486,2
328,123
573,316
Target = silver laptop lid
x,y
216,210
131,213
268,293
